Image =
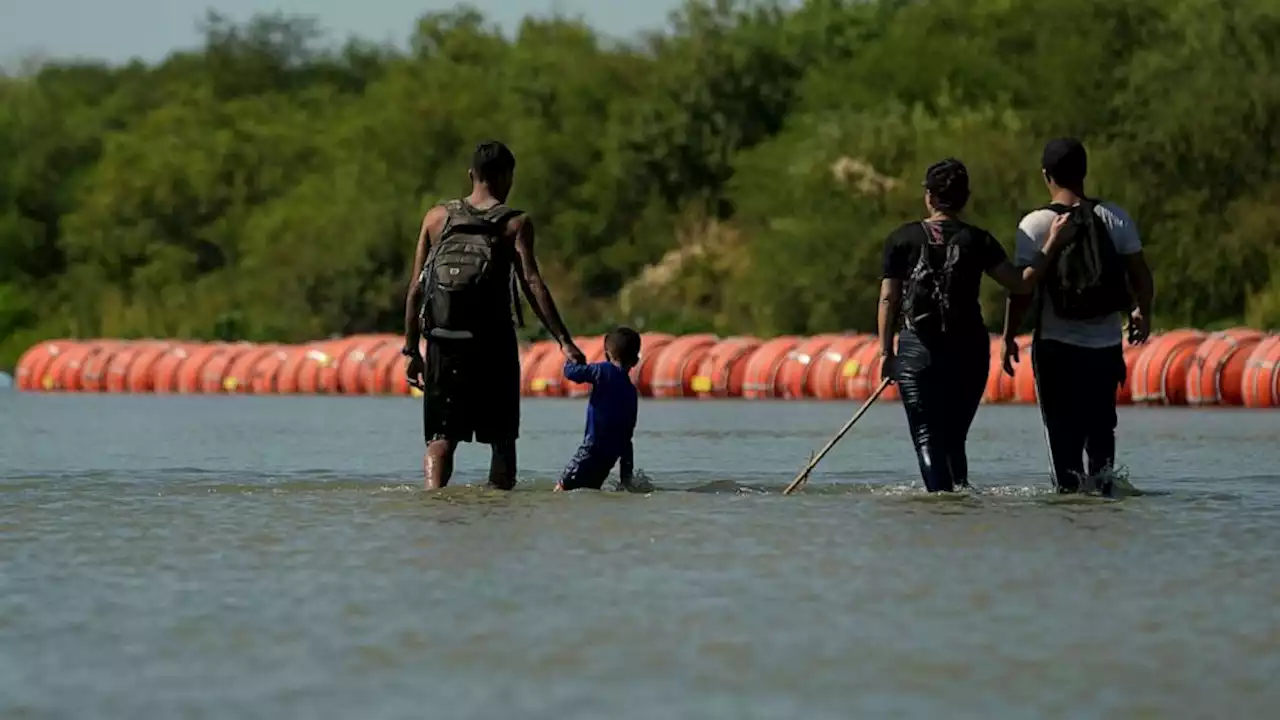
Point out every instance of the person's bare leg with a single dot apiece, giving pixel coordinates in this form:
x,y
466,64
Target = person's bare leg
x,y
502,466
438,464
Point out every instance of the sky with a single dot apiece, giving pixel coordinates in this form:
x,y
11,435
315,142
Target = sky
x,y
118,30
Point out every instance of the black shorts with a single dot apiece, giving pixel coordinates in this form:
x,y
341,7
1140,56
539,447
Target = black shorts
x,y
472,390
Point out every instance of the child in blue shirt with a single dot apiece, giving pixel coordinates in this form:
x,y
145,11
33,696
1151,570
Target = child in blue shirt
x,y
611,414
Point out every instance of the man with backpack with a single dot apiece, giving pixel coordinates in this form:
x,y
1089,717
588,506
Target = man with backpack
x,y
1077,352
472,254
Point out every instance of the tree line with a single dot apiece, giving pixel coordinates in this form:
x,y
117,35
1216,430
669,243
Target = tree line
x,y
735,173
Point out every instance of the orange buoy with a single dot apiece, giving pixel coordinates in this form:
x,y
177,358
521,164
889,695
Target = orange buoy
x,y
1124,393
826,377
140,376
63,374
287,374
93,371
314,362
352,364
1260,383
529,360
376,378
677,364
213,376
546,379
593,348
164,372
327,380
190,371
1216,374
651,345
122,362
723,369
761,374
30,371
238,377
862,373
262,378
794,373
1160,375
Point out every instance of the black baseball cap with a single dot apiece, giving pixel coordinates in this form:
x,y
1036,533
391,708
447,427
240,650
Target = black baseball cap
x,y
1065,160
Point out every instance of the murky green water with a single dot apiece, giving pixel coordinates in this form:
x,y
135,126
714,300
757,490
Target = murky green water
x,y
193,557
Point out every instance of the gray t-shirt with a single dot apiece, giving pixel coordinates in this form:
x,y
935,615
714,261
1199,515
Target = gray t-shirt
x,y
1100,333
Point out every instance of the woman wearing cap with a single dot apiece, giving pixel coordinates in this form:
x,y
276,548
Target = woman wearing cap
x,y
932,273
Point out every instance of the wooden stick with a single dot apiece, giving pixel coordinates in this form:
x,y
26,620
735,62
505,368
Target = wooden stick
x,y
804,474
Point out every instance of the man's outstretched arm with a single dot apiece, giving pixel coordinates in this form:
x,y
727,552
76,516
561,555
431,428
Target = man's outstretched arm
x,y
536,290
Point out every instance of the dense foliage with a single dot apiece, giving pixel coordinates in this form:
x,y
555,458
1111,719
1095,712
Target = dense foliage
x,y
736,174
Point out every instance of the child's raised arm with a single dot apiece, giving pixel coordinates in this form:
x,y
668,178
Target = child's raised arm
x,y
581,372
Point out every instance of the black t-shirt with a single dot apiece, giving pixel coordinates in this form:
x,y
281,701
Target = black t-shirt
x,y
978,253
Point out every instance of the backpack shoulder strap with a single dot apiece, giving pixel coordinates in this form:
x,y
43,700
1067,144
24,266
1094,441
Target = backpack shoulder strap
x,y
1057,208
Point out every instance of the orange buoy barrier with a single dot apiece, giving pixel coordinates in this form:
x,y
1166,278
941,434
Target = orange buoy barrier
x,y
677,364
1160,374
761,375
642,374
1260,383
1236,367
797,365
1124,393
593,348
723,369
1216,374
827,380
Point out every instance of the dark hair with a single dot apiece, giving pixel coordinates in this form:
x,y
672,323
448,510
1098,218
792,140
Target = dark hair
x,y
1065,162
623,345
492,159
948,184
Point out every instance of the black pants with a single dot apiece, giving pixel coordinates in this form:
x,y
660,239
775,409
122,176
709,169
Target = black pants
x,y
589,468
941,381
1076,387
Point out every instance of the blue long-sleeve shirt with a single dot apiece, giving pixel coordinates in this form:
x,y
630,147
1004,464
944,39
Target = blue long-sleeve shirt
x,y
611,410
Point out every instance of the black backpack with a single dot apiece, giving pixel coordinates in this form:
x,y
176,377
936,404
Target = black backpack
x,y
928,292
1086,280
465,287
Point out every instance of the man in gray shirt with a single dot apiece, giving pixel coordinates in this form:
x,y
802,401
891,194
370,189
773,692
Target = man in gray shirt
x,y
1078,363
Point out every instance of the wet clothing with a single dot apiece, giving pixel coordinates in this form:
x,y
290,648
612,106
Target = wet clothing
x,y
1076,389
941,384
1078,364
472,390
611,422
471,380
941,369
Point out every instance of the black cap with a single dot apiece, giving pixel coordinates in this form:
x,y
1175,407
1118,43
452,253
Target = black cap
x,y
1065,161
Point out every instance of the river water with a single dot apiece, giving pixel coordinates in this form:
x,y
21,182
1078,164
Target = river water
x,y
269,557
